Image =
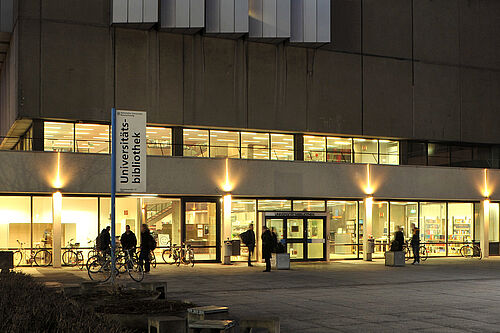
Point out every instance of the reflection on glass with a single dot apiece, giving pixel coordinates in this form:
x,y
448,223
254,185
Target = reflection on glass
x,y
296,250
42,222
343,220
255,145
201,227
58,136
272,205
195,142
365,151
282,147
308,205
438,154
433,227
92,138
339,150
314,148
389,152
15,221
159,141
494,222
224,144
404,215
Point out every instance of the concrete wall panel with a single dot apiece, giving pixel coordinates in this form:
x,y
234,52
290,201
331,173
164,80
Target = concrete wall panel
x,y
89,11
335,95
294,115
387,97
75,67
387,27
346,26
437,102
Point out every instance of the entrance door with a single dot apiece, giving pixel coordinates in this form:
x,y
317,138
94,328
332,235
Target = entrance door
x,y
201,229
304,236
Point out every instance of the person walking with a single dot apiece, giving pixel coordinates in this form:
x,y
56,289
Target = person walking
x,y
128,240
147,241
267,247
415,246
248,238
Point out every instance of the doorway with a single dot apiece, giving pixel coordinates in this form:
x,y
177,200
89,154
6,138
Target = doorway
x,y
303,234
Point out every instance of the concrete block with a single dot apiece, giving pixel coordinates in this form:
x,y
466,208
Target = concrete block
x,y
395,259
272,325
207,312
213,326
167,324
160,287
6,260
280,261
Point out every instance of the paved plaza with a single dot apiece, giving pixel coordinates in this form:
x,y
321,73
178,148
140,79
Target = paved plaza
x,y
441,295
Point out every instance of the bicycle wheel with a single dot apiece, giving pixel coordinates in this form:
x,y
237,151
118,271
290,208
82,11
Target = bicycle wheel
x,y
80,260
18,258
70,258
99,269
152,259
91,253
43,258
423,253
466,251
121,263
190,257
407,254
135,270
477,252
168,257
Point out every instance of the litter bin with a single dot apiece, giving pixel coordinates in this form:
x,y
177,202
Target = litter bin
x,y
228,251
370,248
236,247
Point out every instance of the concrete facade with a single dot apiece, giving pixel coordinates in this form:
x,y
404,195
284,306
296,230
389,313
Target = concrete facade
x,y
426,69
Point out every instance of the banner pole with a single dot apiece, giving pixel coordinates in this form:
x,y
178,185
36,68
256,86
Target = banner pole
x,y
113,192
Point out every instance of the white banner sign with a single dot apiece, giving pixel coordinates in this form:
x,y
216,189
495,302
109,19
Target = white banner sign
x,y
131,151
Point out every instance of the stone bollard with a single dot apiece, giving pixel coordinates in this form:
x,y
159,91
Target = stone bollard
x,y
207,312
213,326
161,287
167,324
272,325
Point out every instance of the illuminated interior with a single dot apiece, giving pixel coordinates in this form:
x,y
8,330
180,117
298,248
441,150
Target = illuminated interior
x,y
224,144
159,141
92,138
195,142
59,137
366,151
255,145
282,147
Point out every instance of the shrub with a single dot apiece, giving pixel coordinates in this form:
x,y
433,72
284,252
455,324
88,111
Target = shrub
x,y
28,306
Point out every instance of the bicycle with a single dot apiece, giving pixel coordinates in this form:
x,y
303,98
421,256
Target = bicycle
x,y
152,257
93,251
73,258
100,267
171,254
186,255
470,251
41,257
424,254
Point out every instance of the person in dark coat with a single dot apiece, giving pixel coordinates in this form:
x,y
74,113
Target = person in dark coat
x,y
105,240
146,241
415,245
400,239
267,247
128,240
275,239
248,238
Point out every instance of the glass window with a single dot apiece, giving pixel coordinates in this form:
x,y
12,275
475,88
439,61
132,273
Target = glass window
x,y
275,205
389,152
195,142
59,136
343,229
92,138
308,205
79,222
482,157
417,153
242,215
255,146
282,147
365,151
433,227
461,156
494,222
315,230
42,222
361,220
224,144
339,150
314,148
439,155
201,229
460,225
128,212
159,141
163,217
404,215
15,221
380,227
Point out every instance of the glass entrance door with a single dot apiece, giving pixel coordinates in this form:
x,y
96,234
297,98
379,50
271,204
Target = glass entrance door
x,y
316,238
201,229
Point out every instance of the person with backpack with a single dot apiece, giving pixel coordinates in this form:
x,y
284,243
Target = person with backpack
x,y
103,241
148,244
248,238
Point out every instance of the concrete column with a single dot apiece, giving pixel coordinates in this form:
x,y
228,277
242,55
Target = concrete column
x,y
226,217
485,228
367,225
56,229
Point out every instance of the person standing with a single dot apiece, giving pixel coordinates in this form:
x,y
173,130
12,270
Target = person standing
x,y
128,240
104,241
146,247
267,247
248,238
399,238
415,245
275,239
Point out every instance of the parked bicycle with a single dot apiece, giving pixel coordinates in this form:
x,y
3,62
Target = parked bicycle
x,y
39,256
186,255
73,257
171,254
93,251
152,257
471,251
100,267
424,254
